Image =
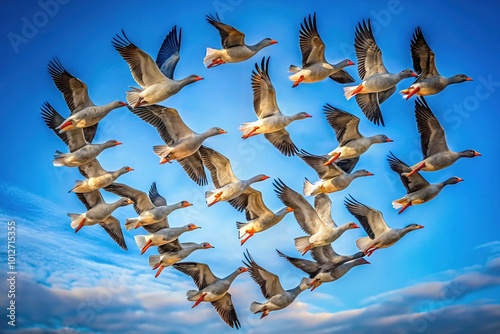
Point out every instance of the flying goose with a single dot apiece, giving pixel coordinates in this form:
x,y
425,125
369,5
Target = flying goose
x,y
379,234
377,83
314,65
270,286
429,80
148,212
234,49
228,187
419,191
317,222
351,143
271,121
435,150
155,85
212,289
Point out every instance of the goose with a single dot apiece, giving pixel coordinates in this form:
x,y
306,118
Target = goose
x,y
328,271
351,143
234,49
82,155
148,212
174,252
89,116
100,212
212,289
435,150
259,217
377,83
379,234
429,80
97,177
156,86
228,187
317,222
161,237
315,68
161,233
74,139
270,286
323,255
332,177
84,113
419,191
182,143
271,121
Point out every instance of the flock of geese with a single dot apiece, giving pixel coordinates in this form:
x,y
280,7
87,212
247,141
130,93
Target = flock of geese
x,y
181,144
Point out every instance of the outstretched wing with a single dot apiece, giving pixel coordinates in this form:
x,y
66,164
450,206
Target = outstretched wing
x,y
343,123
112,227
229,36
199,272
142,66
422,56
411,183
224,306
311,45
370,104
264,94
432,136
269,283
219,167
367,52
372,220
74,90
317,163
304,213
169,53
309,267
141,200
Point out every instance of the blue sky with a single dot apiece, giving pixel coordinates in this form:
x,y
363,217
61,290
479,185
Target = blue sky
x,y
445,276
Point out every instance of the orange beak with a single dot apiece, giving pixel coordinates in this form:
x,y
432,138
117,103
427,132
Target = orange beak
x,y
389,140
477,154
289,209
273,42
468,79
265,177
